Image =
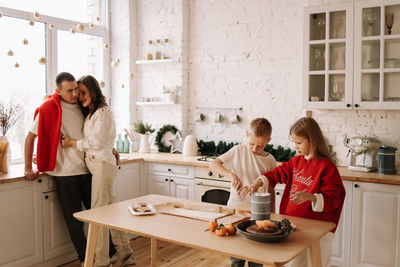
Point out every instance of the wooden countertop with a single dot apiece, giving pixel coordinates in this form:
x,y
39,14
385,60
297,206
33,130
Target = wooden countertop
x,y
16,172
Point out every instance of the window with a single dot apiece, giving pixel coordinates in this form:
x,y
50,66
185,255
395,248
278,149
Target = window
x,y
23,78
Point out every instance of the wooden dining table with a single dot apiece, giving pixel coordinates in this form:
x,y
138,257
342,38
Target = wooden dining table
x,y
191,233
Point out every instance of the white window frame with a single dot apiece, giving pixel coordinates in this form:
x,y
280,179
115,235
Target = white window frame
x,y
100,30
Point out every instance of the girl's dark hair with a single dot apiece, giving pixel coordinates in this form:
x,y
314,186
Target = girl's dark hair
x,y
98,99
309,128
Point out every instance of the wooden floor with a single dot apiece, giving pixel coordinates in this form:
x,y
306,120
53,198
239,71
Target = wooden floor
x,y
170,255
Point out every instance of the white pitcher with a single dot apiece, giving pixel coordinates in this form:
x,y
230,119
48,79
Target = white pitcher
x,y
145,143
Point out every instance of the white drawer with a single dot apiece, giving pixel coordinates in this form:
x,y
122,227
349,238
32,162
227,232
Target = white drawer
x,y
205,172
171,170
48,184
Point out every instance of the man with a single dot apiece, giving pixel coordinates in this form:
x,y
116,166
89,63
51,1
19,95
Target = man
x,y
60,115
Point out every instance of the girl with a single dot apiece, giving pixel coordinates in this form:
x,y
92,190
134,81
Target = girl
x,y
314,188
97,143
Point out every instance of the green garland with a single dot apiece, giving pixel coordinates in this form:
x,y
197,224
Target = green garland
x,y
160,134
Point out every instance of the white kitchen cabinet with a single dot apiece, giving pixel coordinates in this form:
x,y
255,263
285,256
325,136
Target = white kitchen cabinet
x,y
341,243
377,55
331,34
375,233
56,238
127,182
171,180
21,229
328,56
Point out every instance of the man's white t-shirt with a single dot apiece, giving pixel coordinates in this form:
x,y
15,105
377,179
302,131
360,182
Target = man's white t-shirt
x,y
69,161
247,166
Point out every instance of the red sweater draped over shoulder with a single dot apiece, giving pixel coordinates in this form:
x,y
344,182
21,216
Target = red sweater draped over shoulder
x,y
49,128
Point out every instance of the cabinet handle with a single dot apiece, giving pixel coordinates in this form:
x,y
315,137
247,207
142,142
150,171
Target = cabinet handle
x,y
210,173
220,176
119,167
356,185
46,197
169,170
356,105
166,179
171,180
39,180
199,183
348,105
277,193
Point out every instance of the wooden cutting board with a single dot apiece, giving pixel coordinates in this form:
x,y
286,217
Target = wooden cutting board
x,y
200,211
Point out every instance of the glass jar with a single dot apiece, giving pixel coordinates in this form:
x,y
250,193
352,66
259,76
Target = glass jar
x,y
165,51
150,50
158,49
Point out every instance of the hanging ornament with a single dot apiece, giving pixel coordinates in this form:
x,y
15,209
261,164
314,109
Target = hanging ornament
x,y
1,15
31,23
114,64
16,65
42,61
102,84
122,85
51,26
106,46
117,60
131,76
98,18
72,31
25,42
36,15
10,53
80,27
91,25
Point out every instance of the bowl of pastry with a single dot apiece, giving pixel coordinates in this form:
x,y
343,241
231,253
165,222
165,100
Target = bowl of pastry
x,y
142,209
266,231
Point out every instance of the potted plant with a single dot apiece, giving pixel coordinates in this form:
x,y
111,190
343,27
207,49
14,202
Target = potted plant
x,y
172,92
144,129
9,114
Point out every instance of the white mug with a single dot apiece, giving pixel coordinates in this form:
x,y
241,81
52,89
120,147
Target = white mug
x,y
235,119
218,117
199,117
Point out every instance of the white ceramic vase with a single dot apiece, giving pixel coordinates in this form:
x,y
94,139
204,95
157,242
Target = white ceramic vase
x,y
145,143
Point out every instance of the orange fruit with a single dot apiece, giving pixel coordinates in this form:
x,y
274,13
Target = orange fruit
x,y
212,226
221,230
231,229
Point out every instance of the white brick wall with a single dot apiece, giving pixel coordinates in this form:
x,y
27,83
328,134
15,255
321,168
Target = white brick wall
x,y
237,53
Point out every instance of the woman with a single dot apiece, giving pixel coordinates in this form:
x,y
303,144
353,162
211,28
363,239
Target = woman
x,y
97,143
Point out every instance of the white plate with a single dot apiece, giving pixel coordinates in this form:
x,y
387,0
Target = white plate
x,y
133,212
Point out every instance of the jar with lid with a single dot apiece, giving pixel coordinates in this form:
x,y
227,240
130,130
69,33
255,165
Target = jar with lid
x,y
165,51
158,49
149,50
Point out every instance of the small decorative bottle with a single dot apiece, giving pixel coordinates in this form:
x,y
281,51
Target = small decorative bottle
x,y
126,144
149,50
158,49
120,144
165,50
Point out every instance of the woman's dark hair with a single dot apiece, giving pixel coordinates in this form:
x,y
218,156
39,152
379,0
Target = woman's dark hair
x,y
98,99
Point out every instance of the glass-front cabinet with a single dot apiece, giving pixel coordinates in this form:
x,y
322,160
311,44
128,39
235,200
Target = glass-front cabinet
x,y
377,62
352,63
328,56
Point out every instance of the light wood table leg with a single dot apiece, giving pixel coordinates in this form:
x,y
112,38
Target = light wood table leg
x,y
91,244
315,253
153,252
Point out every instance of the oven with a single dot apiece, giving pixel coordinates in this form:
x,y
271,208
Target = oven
x,y
211,187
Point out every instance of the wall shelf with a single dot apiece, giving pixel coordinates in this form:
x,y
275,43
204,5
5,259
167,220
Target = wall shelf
x,y
156,61
155,103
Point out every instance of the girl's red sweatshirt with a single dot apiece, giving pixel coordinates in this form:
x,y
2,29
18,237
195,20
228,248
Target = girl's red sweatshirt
x,y
49,127
311,176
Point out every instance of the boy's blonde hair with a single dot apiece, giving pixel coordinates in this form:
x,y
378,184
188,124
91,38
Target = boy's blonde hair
x,y
309,128
260,127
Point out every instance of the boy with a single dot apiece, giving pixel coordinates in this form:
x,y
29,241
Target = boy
x,y
243,164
